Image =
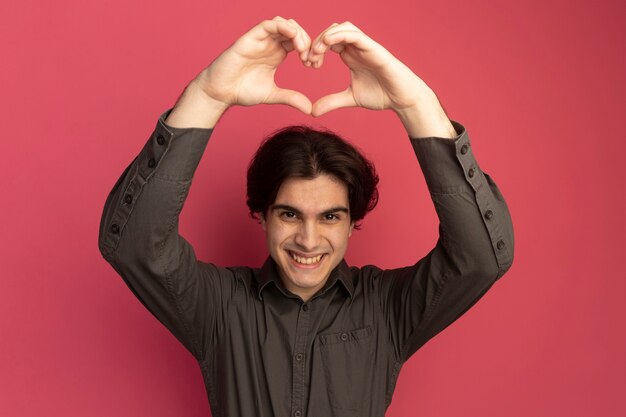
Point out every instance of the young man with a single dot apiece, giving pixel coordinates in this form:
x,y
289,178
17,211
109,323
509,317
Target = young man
x,y
305,335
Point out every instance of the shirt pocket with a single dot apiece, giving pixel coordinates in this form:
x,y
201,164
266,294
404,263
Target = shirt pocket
x,y
347,359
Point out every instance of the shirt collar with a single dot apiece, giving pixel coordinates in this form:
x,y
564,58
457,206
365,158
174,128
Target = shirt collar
x,y
269,274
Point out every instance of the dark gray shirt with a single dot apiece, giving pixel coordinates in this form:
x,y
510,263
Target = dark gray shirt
x,y
262,351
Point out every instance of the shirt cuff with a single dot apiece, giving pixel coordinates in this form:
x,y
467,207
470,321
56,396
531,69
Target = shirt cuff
x,y
173,153
448,165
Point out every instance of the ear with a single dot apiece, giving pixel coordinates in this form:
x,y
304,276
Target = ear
x,y
263,222
351,228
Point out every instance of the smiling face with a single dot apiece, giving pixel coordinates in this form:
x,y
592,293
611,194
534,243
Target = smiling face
x,y
307,230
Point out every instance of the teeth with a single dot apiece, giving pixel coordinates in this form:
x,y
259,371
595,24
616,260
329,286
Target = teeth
x,y
306,261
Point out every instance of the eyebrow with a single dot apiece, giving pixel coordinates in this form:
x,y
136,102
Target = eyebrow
x,y
295,210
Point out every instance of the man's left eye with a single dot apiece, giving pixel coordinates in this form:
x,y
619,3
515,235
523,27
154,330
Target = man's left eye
x,y
331,217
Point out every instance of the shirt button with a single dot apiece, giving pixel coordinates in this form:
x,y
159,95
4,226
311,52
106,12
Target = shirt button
x,y
305,307
299,357
489,215
297,414
115,228
151,163
128,198
500,244
344,336
470,172
464,149
160,140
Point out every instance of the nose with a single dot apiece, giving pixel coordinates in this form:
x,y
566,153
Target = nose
x,y
307,236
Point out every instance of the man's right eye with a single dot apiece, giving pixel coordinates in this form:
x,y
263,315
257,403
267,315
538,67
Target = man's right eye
x,y
288,215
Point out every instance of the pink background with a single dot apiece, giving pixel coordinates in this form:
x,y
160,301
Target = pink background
x,y
539,85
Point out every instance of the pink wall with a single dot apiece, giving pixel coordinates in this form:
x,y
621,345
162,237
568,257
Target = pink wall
x,y
539,85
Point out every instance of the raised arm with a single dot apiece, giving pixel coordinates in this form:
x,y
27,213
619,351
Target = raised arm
x,y
139,226
475,245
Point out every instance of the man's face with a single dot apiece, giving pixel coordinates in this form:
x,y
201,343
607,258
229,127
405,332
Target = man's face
x,y
307,230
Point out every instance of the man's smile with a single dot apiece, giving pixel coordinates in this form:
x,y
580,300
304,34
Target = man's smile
x,y
302,260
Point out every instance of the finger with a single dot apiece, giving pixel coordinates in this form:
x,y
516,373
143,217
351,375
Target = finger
x,y
314,56
300,42
341,38
338,48
291,98
338,41
333,101
287,45
306,41
317,39
276,28
333,41
318,48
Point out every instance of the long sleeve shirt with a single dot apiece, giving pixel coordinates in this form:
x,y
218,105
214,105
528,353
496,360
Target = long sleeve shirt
x,y
264,352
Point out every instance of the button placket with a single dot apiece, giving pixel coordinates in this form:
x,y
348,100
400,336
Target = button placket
x,y
299,370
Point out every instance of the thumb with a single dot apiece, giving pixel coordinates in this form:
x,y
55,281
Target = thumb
x,y
333,101
291,98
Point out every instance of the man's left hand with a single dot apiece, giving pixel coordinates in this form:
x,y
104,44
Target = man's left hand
x,y
378,81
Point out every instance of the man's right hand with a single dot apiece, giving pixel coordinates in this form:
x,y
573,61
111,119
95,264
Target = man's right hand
x,y
244,75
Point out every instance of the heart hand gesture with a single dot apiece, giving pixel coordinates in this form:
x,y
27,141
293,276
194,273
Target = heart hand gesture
x,y
244,75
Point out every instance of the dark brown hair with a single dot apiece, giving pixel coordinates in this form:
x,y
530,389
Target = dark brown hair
x,y
304,152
